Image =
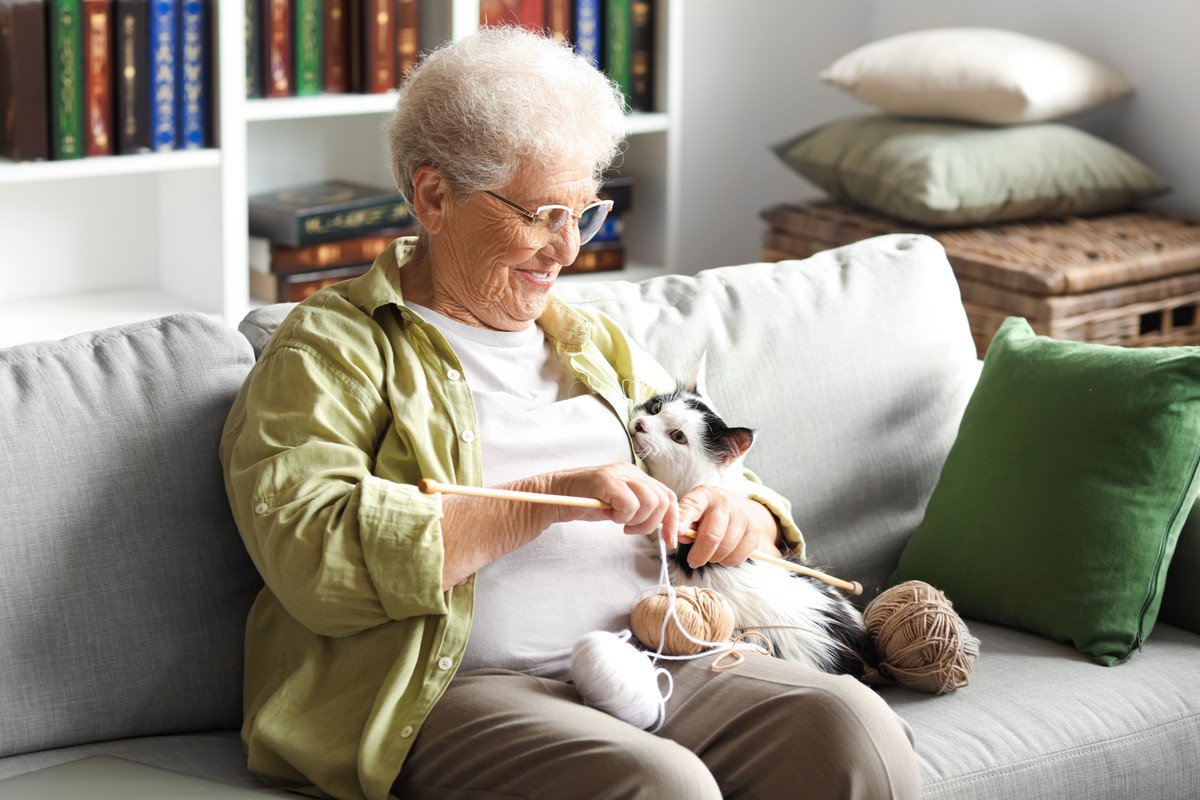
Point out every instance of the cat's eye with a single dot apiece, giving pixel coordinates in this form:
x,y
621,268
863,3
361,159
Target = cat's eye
x,y
654,407
677,436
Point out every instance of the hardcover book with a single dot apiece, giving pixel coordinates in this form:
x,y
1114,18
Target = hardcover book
x,y
641,55
408,37
66,78
597,257
337,45
532,14
304,215
164,56
277,48
379,58
499,12
268,257
253,26
192,80
132,56
97,92
24,102
588,27
618,24
293,288
309,69
558,19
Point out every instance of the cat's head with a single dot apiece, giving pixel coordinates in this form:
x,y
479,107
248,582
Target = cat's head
x,y
684,441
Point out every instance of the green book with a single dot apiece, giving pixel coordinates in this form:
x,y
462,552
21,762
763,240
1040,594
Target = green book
x,y
618,28
309,67
66,79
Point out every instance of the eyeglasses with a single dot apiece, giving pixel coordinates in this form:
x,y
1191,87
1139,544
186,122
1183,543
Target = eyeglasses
x,y
548,221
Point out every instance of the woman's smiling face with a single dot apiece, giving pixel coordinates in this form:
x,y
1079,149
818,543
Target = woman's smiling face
x,y
487,273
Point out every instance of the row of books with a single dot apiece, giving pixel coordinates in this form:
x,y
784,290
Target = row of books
x,y
305,238
617,36
103,77
306,47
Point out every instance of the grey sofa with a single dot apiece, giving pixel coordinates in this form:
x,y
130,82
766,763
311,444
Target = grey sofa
x,y
124,587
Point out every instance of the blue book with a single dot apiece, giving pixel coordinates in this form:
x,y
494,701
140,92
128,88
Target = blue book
x,y
612,229
164,42
588,30
191,80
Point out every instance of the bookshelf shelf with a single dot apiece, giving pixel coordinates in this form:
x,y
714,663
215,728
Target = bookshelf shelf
x,y
323,105
12,172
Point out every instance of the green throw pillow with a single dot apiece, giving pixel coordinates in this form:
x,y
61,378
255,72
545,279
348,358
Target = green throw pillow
x,y
1061,500
945,174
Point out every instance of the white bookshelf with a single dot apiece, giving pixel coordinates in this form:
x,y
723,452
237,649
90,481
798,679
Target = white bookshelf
x,y
101,241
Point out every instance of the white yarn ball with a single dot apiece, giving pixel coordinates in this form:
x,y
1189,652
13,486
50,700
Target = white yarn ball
x,y
616,677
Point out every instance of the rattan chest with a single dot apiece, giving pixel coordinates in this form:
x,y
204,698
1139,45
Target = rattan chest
x,y
1126,279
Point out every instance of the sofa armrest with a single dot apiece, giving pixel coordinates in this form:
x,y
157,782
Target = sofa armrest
x,y
1181,598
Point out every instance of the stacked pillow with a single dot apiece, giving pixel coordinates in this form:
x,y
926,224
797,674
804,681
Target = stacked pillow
x,y
966,136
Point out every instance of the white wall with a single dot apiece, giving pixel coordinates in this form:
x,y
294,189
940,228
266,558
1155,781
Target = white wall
x,y
749,79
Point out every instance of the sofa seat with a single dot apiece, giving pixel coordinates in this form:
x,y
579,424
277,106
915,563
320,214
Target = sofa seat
x,y
1036,721
217,756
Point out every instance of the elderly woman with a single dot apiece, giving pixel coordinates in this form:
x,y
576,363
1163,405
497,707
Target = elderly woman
x,y
415,648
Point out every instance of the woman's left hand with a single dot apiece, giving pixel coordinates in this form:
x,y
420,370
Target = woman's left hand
x,y
729,527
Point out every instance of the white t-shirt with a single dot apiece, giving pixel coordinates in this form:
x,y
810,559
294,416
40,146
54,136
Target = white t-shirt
x,y
534,603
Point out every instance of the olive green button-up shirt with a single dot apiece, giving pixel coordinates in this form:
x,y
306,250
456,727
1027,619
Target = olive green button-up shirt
x,y
352,640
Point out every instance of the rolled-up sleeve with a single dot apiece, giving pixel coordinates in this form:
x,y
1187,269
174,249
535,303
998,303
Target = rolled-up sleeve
x,y
342,549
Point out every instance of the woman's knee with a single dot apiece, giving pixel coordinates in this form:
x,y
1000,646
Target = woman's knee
x,y
654,769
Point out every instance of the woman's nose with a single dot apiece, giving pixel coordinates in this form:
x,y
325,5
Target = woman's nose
x,y
564,246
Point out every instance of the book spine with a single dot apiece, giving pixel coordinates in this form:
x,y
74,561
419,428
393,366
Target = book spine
x,y
532,14
354,54
309,72
588,27
641,53
339,253
164,55
133,76
277,48
597,259
66,79
617,23
24,103
252,26
499,12
97,59
558,19
336,224
193,75
337,46
408,37
275,288
378,34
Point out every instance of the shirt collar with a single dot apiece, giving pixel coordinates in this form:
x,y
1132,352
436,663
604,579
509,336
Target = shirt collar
x,y
380,286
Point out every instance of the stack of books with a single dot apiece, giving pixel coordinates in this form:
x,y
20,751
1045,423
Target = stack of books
x,y
305,238
306,47
606,250
103,77
617,36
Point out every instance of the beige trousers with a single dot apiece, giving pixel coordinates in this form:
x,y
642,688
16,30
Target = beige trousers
x,y
765,729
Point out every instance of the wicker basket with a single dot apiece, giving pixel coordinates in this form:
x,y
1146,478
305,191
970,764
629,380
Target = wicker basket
x,y
1129,279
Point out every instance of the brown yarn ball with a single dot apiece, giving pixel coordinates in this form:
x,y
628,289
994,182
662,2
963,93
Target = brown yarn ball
x,y
921,640
704,614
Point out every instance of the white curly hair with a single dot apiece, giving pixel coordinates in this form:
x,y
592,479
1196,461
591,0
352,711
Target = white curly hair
x,y
476,109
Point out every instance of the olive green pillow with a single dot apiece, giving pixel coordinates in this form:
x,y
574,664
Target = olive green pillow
x,y
945,174
1060,503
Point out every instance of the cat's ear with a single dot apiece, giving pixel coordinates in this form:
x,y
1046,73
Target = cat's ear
x,y
696,384
734,443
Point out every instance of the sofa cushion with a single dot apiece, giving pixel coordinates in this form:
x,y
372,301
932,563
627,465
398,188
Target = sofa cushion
x,y
854,366
1062,498
123,581
1042,721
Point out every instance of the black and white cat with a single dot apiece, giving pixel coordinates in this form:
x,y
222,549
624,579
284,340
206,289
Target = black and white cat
x,y
685,443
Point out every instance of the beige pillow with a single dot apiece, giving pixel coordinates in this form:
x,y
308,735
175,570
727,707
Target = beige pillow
x,y
975,74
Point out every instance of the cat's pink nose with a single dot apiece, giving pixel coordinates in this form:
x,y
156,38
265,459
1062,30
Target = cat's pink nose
x,y
638,426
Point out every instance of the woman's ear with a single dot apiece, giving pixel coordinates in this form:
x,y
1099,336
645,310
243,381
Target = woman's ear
x,y
431,198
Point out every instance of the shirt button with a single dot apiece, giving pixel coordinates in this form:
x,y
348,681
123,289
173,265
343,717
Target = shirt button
x,y
453,374
468,436
261,508
406,731
445,662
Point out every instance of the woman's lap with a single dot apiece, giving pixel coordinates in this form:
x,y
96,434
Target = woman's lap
x,y
766,728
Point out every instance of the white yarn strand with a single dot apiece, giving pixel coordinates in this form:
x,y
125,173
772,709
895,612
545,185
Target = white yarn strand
x,y
614,676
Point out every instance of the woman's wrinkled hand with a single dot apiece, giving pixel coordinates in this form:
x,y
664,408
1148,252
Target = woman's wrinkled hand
x,y
728,527
639,502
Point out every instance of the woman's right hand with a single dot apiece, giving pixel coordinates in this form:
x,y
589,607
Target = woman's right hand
x,y
638,502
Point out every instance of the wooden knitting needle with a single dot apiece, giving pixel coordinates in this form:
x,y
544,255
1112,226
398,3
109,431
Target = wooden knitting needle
x,y
429,486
